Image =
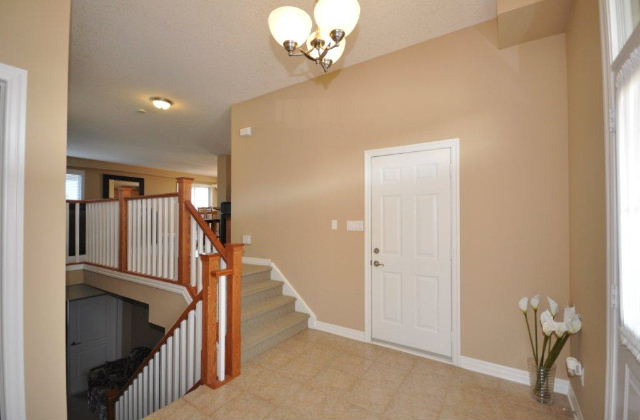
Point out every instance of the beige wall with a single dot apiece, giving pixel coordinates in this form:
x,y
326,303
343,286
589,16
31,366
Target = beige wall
x,y
164,307
156,181
34,35
588,212
304,166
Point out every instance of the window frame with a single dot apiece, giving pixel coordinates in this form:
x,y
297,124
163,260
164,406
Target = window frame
x,y
82,175
202,185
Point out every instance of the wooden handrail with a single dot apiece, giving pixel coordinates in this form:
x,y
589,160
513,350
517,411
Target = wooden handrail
x,y
143,197
210,234
104,200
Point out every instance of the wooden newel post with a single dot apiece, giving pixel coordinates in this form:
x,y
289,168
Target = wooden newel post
x,y
234,306
112,394
184,230
122,193
210,264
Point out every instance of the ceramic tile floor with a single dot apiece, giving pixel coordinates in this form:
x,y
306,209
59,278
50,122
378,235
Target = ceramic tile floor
x,y
315,375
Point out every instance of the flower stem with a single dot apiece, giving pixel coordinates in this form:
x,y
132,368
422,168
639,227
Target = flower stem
x,y
526,321
535,324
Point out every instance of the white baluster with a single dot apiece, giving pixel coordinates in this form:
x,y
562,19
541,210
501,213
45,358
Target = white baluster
x,y
77,232
194,252
139,251
161,238
129,235
169,370
144,381
154,237
156,383
165,229
163,376
183,357
134,398
143,242
176,364
222,326
198,349
191,345
116,233
172,242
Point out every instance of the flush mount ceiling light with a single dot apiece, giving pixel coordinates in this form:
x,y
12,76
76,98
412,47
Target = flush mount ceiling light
x,y
161,103
335,19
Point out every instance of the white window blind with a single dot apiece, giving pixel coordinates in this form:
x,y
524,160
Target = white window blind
x,y
628,121
73,185
202,196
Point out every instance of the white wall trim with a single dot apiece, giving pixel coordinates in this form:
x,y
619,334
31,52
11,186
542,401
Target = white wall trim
x,y
162,285
454,145
341,331
574,404
12,386
508,373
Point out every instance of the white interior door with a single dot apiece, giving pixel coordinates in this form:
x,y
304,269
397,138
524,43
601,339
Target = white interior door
x,y
411,250
91,337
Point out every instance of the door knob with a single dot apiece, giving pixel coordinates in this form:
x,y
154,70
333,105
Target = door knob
x,y
378,264
75,343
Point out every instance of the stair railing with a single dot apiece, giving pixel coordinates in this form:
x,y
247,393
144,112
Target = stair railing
x,y
163,237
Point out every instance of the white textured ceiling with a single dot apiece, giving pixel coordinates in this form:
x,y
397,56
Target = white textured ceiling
x,y
206,55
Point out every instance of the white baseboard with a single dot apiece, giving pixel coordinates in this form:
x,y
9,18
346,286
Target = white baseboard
x,y
575,404
338,330
508,373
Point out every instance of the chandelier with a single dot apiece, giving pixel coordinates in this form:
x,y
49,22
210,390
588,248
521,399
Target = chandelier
x,y
335,19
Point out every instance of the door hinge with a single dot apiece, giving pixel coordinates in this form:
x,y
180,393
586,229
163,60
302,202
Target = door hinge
x,y
614,295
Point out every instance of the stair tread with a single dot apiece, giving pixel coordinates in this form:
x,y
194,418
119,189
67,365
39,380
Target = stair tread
x,y
261,286
273,328
250,269
265,306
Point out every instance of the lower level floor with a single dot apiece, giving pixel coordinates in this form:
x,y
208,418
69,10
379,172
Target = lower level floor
x,y
315,375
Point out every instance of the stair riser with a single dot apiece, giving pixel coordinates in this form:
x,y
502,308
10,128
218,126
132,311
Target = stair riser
x,y
247,301
250,353
250,325
254,278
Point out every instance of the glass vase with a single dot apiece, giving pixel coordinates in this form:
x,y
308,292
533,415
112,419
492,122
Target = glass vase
x,y
542,382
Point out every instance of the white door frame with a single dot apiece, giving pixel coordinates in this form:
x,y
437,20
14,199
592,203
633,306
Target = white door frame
x,y
12,395
454,146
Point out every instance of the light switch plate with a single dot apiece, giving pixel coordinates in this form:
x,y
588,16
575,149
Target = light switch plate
x,y
334,224
246,239
355,225
246,131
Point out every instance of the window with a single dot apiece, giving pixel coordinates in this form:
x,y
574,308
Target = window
x,y
202,196
625,71
74,186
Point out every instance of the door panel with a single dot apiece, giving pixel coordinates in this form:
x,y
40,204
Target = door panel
x,y
91,337
411,226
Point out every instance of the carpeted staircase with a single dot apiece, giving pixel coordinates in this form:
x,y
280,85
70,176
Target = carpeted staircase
x,y
268,317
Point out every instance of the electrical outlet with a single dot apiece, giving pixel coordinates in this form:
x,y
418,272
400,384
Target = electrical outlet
x,y
246,239
334,224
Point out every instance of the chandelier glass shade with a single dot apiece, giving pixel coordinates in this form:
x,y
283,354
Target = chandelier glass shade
x,y
335,20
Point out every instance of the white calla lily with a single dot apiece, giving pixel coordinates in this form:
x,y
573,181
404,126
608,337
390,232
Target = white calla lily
x,y
523,304
548,328
561,328
546,318
574,325
553,306
535,302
